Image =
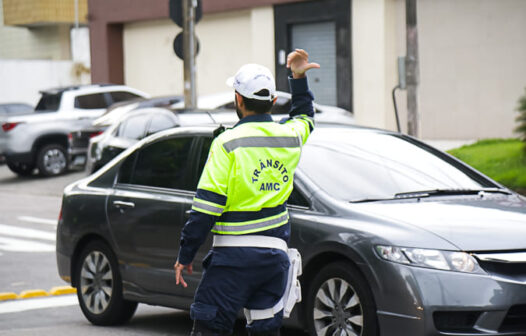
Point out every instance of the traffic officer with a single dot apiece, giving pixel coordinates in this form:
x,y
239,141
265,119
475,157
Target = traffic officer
x,y
241,198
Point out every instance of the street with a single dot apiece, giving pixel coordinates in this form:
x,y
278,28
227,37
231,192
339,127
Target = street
x,y
29,208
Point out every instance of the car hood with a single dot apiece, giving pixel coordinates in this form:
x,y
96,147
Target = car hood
x,y
471,223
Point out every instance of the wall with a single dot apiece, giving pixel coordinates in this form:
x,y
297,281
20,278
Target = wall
x,y
375,46
227,41
23,79
46,42
473,67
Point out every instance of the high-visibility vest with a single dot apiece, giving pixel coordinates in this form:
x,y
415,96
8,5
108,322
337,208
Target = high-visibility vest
x,y
249,174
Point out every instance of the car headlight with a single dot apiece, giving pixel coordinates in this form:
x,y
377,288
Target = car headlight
x,y
438,259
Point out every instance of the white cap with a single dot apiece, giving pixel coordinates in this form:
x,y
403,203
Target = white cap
x,y
252,78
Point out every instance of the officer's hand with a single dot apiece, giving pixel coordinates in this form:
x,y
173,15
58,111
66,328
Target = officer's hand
x,y
298,62
179,273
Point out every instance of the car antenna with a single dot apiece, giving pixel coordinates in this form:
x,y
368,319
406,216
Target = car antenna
x,y
210,114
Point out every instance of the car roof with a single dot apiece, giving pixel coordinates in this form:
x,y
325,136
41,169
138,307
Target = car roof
x,y
211,127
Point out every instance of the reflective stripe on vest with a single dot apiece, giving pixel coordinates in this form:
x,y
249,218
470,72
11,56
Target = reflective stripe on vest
x,y
235,228
267,141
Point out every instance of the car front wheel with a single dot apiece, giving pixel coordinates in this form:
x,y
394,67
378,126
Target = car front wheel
x,y
99,286
339,302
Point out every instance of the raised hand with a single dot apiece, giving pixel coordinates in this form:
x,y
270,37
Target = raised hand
x,y
298,62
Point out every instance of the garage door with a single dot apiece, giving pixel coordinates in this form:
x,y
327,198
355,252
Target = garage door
x,y
319,39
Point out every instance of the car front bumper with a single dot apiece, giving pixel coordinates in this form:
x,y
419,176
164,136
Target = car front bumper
x,y
451,303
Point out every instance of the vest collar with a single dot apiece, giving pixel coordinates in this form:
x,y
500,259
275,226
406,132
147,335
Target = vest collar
x,y
265,117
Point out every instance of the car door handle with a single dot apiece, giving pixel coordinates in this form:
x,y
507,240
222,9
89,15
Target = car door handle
x,y
122,204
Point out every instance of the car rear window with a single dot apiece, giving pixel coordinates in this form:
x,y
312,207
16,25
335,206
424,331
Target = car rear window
x,y
91,101
49,103
119,96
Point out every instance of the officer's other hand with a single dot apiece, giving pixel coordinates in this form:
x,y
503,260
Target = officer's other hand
x,y
179,273
298,62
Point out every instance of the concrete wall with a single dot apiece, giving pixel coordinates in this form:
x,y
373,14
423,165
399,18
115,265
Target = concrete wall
x,y
377,41
473,67
21,80
44,42
228,40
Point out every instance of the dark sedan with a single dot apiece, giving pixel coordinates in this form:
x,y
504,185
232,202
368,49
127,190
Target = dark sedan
x,y
397,238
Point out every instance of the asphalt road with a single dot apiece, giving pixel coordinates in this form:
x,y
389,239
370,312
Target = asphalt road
x,y
29,208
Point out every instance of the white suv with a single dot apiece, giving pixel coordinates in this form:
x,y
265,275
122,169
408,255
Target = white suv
x,y
40,140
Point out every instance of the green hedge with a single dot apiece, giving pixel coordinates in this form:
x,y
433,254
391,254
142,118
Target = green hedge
x,y
504,160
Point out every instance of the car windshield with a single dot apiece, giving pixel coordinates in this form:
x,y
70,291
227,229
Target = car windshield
x,y
357,165
48,103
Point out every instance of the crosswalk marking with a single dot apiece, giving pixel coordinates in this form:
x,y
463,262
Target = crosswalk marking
x,y
15,231
22,245
37,220
31,304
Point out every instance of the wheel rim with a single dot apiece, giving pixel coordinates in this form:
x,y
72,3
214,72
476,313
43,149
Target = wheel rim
x,y
337,309
96,282
54,161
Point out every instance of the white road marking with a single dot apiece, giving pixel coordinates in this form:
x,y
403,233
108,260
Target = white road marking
x,y
40,303
38,220
15,231
21,245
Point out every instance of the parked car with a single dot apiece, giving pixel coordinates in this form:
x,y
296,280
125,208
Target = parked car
x,y
324,113
41,139
79,139
12,109
134,126
397,238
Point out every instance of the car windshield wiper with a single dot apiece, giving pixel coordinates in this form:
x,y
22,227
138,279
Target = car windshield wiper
x,y
445,192
434,192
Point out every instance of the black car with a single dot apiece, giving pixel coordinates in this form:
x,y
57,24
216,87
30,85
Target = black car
x,y
397,238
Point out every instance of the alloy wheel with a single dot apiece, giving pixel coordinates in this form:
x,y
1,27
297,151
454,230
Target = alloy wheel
x,y
337,309
54,161
96,282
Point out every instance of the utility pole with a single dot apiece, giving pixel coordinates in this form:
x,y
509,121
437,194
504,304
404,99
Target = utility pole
x,y
412,73
190,95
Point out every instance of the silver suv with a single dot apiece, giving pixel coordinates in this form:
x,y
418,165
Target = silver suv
x,y
40,140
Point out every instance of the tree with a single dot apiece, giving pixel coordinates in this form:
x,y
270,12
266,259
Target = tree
x,y
521,118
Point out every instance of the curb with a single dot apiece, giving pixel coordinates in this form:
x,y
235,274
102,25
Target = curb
x,y
32,293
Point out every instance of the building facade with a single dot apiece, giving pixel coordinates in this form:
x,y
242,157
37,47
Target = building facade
x,y
39,49
472,54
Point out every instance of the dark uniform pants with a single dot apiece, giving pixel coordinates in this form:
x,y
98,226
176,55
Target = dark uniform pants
x,y
225,289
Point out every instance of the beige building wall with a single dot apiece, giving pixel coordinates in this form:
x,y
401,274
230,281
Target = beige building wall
x,y
472,66
43,42
227,40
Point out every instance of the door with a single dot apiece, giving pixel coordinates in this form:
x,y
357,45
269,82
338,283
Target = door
x,y
146,212
323,28
319,39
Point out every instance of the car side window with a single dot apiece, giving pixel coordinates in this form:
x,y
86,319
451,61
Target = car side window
x,y
91,101
296,198
119,96
133,127
160,122
163,164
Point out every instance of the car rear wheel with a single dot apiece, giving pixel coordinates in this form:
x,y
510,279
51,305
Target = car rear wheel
x,y
99,286
339,302
22,169
52,160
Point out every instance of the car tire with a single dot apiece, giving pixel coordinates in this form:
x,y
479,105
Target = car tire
x,y
52,160
339,302
99,286
22,169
